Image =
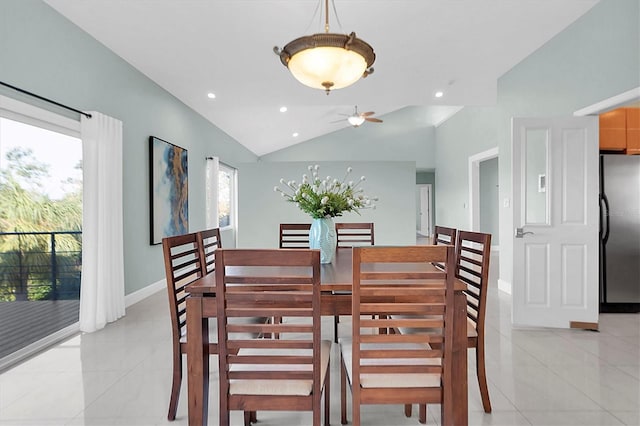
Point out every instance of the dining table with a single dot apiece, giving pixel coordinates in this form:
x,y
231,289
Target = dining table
x,y
336,278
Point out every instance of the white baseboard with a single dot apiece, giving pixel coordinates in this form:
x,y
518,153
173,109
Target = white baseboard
x,y
143,293
504,286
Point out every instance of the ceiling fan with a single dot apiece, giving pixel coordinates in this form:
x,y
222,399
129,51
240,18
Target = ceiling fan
x,y
358,118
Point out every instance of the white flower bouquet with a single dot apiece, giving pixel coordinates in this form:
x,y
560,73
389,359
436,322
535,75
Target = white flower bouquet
x,y
326,197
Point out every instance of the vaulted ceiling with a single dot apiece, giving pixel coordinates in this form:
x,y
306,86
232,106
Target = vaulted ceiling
x,y
195,47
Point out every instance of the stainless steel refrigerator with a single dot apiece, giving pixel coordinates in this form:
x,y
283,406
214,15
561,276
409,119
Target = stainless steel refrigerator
x,y
619,233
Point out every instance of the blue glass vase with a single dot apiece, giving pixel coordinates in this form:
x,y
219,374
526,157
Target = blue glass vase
x,y
322,235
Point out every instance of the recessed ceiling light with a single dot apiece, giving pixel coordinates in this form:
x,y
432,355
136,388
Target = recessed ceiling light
x,y
439,94
295,134
211,95
283,109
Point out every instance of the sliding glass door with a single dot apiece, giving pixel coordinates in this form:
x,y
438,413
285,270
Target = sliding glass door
x,y
40,229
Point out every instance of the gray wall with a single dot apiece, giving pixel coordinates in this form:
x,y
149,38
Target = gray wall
x,y
42,52
261,209
489,203
596,57
402,136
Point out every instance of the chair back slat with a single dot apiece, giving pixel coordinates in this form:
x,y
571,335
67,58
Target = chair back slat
x,y
294,235
235,345
264,280
354,234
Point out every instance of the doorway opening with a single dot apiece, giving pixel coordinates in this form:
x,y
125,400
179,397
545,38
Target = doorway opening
x,y
484,205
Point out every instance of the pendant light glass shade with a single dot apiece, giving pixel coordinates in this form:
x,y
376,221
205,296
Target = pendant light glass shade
x,y
327,61
327,66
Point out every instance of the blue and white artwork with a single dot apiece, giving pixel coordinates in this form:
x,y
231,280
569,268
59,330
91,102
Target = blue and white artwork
x,y
169,190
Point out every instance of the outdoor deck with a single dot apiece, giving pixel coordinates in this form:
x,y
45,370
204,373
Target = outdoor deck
x,y
23,323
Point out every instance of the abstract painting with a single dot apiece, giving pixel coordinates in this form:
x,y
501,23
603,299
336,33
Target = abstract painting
x,y
169,190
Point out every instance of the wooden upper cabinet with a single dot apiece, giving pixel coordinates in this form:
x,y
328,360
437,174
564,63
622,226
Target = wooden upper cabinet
x,y
613,130
633,130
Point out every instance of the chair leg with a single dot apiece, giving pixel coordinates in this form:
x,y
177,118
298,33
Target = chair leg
x,y
254,416
327,399
422,416
247,418
355,406
343,393
175,385
407,410
482,378
336,320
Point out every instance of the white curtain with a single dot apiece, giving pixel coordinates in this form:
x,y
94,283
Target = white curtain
x,y
102,286
211,189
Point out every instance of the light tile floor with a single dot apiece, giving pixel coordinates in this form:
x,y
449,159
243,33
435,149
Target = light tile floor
x,y
121,376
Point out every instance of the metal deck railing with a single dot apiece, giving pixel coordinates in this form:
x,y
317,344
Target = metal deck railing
x,y
39,285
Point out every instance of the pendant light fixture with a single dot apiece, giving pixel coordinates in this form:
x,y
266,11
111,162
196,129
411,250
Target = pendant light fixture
x,y
327,61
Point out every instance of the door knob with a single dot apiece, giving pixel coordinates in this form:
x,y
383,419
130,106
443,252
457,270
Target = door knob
x,y
520,233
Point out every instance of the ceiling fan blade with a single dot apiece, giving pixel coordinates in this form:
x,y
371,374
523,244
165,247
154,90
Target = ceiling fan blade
x,y
366,114
373,119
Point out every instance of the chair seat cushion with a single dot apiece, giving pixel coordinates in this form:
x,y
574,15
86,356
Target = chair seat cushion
x,y
471,327
279,387
390,380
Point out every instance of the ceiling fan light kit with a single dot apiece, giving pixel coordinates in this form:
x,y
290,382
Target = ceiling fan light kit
x,y
355,120
327,61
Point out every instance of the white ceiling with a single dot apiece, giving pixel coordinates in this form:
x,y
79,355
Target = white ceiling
x,y
192,47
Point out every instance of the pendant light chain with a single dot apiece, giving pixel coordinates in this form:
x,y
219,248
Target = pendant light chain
x,y
313,17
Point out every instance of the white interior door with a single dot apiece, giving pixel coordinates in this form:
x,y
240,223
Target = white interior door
x,y
424,209
555,215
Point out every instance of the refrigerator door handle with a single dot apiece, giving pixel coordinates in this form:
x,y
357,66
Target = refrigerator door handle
x,y
605,236
600,217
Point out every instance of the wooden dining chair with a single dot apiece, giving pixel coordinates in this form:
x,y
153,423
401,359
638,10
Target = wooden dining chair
x,y
472,267
473,252
294,235
443,236
399,368
209,241
286,374
183,263
349,235
187,258
354,234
